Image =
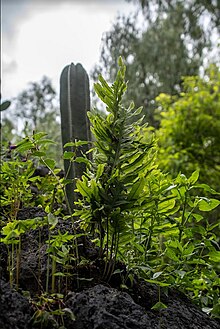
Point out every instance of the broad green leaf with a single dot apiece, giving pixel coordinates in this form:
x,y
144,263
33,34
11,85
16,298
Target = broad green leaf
x,y
82,160
159,306
59,274
194,177
135,163
211,227
171,254
199,229
39,135
50,163
188,250
139,247
68,155
9,227
39,153
136,189
81,143
25,145
175,244
197,217
197,261
83,188
208,204
166,205
94,189
100,170
214,256
45,141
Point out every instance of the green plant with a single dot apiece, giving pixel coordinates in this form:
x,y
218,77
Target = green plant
x,y
175,243
138,214
159,227
114,182
17,176
74,104
50,311
189,133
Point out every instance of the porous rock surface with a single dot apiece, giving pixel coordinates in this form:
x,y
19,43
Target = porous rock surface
x,y
98,306
102,307
15,310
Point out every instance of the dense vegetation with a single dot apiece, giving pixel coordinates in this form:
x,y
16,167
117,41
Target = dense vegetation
x,y
157,225
189,128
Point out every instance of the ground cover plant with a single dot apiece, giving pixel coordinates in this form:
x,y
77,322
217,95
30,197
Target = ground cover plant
x,y
140,222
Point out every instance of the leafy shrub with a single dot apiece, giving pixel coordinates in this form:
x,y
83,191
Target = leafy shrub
x,y
190,128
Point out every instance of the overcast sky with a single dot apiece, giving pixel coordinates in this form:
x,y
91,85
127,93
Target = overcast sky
x,y
41,37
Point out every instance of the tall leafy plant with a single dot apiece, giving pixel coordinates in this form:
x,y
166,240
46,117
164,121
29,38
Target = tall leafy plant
x,y
114,182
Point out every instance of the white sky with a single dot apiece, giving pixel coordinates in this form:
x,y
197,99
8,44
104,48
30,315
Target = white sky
x,y
41,37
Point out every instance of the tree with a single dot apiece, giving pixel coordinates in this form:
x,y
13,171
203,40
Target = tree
x,y
157,57
190,129
34,110
194,8
33,104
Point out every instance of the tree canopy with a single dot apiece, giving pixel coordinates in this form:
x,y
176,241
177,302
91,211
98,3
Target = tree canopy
x,y
171,45
190,128
35,109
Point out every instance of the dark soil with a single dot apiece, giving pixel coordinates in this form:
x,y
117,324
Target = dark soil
x,y
91,302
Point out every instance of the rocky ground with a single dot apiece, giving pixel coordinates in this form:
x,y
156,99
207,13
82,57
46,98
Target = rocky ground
x,y
92,303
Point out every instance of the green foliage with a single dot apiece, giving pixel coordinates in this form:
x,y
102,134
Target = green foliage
x,y
50,312
158,226
35,103
189,131
74,104
170,43
35,109
114,182
196,8
18,177
176,244
22,188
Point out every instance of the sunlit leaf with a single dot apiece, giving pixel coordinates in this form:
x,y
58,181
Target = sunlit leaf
x,y
209,204
50,163
68,155
137,189
171,254
194,177
214,256
166,205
